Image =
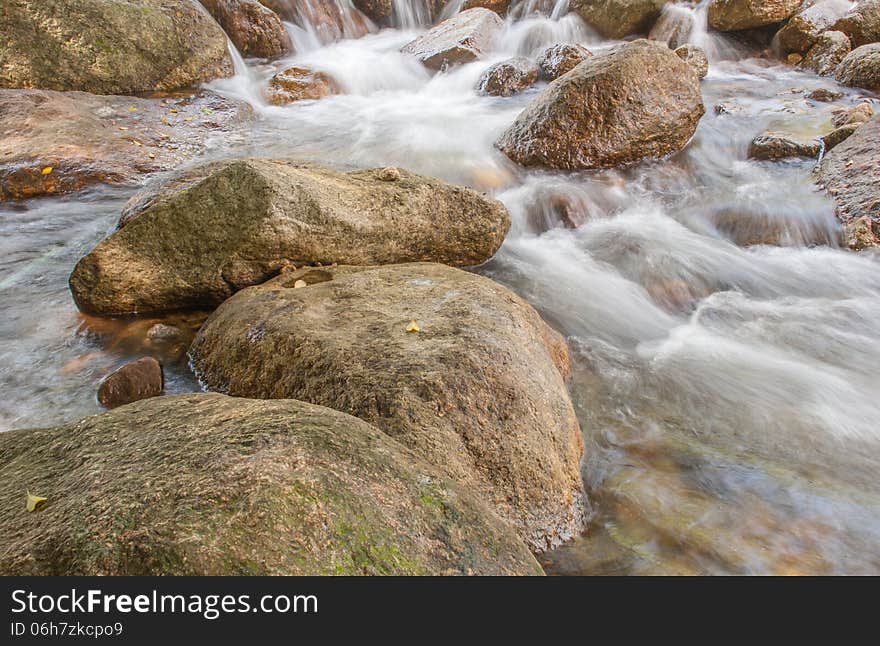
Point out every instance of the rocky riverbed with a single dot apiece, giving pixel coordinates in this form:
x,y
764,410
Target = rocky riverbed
x,y
426,287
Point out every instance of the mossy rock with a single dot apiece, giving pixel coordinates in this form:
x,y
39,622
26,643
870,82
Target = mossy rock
x,y
109,46
212,485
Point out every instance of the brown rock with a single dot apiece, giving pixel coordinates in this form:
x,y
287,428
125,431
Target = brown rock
x,y
237,223
212,485
379,11
618,18
695,57
255,30
862,23
109,46
851,175
498,6
861,68
855,115
560,59
474,389
631,102
460,39
735,15
508,77
300,84
802,31
824,95
132,382
830,49
838,135
673,27
328,20
87,139
774,146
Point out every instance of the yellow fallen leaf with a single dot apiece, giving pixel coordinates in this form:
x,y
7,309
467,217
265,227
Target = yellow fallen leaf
x,y
46,170
136,142
151,155
123,128
164,120
413,327
173,111
34,502
131,108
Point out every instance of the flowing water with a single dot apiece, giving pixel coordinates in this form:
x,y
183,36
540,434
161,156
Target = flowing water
x,y
724,347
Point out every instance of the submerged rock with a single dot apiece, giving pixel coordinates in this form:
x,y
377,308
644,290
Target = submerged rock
x,y
634,101
328,20
824,95
851,174
773,146
110,46
695,57
212,485
132,382
379,11
861,68
300,84
237,223
255,30
451,364
735,15
618,18
673,27
460,39
830,49
560,59
59,142
508,77
861,23
802,31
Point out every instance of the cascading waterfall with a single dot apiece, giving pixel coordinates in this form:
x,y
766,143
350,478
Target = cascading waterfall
x,y
416,14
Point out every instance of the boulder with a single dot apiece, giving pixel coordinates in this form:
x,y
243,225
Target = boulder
x,y
450,364
673,27
59,142
460,39
830,49
498,6
855,115
560,59
802,31
255,30
695,57
824,95
838,135
508,77
379,11
300,84
110,46
851,175
774,146
618,18
239,222
860,68
211,485
862,23
735,15
132,382
328,20
631,102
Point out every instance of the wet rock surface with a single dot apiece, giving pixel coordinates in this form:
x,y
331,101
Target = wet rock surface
x,y
618,18
804,28
735,15
450,364
300,84
827,53
255,30
860,68
560,59
508,77
132,382
460,39
695,57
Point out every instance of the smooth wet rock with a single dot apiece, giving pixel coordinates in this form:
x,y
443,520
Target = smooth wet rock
x,y
860,68
775,146
838,135
802,31
379,11
508,77
618,18
855,115
449,363
830,49
255,30
824,95
695,57
60,142
560,59
212,485
862,23
758,224
461,39
237,223
328,20
673,27
498,6
736,15
132,382
851,175
110,46
300,84
631,102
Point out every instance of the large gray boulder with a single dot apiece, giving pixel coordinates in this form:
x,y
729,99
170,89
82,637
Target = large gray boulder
x,y
110,46
222,227
634,101
450,364
212,485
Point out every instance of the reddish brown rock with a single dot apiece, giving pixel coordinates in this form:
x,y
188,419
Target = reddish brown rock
x,y
802,31
618,18
379,11
827,53
695,57
560,59
735,15
498,6
862,23
860,68
134,381
328,20
255,30
460,39
508,77
673,27
300,84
